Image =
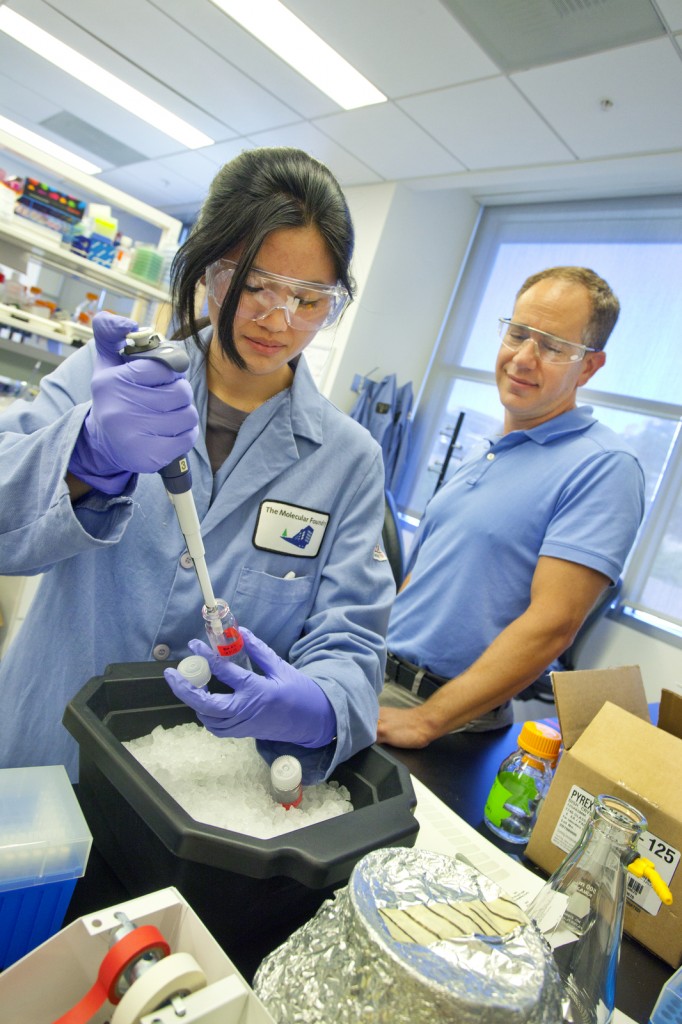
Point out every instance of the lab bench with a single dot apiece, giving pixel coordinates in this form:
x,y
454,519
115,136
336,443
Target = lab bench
x,y
459,770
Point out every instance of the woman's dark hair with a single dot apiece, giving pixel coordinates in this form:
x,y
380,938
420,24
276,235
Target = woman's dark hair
x,y
258,192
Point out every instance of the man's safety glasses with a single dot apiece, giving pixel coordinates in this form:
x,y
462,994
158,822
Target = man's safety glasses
x,y
306,306
548,348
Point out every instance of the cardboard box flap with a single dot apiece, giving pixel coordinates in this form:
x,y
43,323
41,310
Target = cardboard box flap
x,y
635,755
580,695
670,713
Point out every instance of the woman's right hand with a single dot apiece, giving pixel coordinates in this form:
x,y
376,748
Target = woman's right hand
x,y
142,414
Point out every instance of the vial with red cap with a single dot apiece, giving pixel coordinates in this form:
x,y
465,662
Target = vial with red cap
x,y
223,633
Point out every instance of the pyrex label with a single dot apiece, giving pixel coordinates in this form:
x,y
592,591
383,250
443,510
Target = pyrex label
x,y
573,818
665,858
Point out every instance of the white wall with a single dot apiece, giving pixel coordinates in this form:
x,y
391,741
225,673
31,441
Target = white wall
x,y
409,250
611,643
369,208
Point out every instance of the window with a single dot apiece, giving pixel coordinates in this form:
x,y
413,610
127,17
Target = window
x,y
636,245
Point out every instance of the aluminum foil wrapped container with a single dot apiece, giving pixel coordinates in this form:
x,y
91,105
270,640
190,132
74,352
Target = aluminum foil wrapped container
x,y
415,937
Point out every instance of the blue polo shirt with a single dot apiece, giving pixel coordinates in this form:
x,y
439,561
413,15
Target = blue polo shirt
x,y
568,488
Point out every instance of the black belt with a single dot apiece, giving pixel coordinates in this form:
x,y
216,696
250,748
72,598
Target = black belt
x,y
411,677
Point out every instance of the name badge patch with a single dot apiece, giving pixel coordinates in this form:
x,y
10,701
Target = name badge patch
x,y
289,529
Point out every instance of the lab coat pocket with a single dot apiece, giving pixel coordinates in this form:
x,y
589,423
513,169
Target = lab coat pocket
x,y
273,608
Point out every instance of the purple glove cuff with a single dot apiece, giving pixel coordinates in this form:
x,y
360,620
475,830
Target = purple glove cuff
x,y
326,721
88,467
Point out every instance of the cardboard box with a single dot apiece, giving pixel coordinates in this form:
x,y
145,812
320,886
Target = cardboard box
x,y
611,747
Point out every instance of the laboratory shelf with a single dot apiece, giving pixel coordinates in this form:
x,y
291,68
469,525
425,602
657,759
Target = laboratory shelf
x,y
25,350
67,332
22,240
51,252
28,351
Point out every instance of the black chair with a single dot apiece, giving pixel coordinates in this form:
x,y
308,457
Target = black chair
x,y
542,689
391,538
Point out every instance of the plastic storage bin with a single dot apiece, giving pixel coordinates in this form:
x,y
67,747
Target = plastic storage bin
x,y
668,1008
251,893
44,848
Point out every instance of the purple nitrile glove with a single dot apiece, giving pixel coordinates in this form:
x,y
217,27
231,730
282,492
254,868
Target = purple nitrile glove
x,y
282,705
142,414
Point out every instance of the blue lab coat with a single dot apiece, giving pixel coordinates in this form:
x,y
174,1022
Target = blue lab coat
x,y
117,588
384,408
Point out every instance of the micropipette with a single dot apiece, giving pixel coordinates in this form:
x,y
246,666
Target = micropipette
x,y
177,476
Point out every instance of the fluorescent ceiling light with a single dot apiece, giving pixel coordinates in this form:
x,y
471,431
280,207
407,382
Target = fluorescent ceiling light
x,y
65,155
286,35
91,74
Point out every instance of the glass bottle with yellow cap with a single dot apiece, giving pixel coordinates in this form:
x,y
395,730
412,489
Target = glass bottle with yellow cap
x,y
522,781
580,908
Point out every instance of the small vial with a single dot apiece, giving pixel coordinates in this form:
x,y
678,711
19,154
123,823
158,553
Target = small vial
x,y
223,633
196,670
522,781
285,779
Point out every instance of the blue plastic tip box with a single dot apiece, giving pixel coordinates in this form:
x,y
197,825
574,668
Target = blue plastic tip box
x,y
44,848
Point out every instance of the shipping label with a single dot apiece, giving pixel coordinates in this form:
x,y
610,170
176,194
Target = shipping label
x,y
665,858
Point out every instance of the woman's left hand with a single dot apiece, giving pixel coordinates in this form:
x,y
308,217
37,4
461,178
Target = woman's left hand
x,y
283,704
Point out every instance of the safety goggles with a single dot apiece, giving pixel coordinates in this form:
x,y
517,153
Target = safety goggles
x,y
306,306
548,348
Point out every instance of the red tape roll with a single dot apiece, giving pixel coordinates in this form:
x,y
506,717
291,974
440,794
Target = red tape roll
x,y
128,949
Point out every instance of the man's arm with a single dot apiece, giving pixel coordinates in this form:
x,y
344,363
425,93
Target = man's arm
x,y
562,595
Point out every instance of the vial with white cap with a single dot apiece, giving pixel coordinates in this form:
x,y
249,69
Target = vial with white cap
x,y
285,779
196,670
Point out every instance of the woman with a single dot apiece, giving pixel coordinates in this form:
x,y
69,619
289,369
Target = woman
x,y
289,490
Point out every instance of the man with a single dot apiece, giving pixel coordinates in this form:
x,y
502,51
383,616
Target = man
x,y
514,551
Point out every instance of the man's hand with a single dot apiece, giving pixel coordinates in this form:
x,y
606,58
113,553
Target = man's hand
x,y
562,594
403,727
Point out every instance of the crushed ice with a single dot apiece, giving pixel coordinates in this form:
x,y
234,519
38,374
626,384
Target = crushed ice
x,y
226,783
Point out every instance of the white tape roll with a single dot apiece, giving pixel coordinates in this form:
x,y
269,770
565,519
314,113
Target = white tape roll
x,y
171,976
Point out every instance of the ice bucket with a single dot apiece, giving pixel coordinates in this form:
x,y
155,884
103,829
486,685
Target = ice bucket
x,y
251,893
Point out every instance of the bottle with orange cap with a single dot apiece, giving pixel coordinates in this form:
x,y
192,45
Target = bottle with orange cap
x,y
522,781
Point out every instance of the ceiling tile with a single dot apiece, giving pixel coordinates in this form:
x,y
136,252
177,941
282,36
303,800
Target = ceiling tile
x,y
155,182
388,141
21,102
255,61
486,124
150,69
44,79
671,11
403,46
346,167
223,152
644,84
